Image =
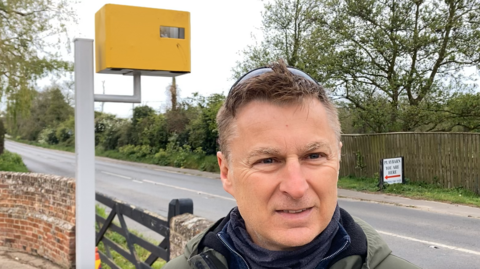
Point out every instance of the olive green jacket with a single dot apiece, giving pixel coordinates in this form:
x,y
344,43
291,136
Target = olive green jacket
x,y
378,255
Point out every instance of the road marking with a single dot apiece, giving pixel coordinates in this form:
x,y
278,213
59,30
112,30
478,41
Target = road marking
x,y
168,171
190,190
137,181
432,243
115,175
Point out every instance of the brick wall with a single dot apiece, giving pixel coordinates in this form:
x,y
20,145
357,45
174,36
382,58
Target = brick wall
x,y
182,229
37,215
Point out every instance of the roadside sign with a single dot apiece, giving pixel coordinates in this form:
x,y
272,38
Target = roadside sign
x,y
391,171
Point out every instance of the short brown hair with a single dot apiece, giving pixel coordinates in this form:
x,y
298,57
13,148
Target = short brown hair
x,y
278,87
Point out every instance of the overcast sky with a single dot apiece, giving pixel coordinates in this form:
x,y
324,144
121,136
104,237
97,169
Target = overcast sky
x,y
219,30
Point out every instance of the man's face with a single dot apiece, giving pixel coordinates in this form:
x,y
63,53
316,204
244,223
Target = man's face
x,y
282,170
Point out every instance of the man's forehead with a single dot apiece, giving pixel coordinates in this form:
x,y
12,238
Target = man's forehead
x,y
244,125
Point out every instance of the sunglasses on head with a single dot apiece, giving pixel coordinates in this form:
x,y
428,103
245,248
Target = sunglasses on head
x,y
262,70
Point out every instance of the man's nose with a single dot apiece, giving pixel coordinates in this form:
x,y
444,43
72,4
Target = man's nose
x,y
293,183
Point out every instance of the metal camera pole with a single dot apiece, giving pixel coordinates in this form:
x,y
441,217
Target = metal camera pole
x,y
85,155
85,147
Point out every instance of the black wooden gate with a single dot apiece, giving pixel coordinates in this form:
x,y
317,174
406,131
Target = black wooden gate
x,y
152,221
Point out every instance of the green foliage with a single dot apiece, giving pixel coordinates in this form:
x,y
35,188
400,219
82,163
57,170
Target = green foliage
x,y
185,137
136,152
286,27
146,128
49,109
33,34
360,162
48,136
393,64
12,162
462,111
66,132
202,128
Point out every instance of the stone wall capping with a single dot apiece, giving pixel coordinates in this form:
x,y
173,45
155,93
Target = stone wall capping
x,y
183,228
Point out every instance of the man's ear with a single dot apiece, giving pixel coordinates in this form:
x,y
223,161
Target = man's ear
x,y
224,176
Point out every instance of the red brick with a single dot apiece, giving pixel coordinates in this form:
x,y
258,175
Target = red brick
x,y
26,233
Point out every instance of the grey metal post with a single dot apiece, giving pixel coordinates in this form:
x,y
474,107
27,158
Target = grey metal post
x,y
137,85
85,154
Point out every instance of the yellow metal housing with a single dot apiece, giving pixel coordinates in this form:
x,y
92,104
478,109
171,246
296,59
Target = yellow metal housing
x,y
155,42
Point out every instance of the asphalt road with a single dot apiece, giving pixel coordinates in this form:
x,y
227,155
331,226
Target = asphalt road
x,y
430,240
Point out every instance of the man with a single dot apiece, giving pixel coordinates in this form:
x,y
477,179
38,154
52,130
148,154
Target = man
x,y
279,137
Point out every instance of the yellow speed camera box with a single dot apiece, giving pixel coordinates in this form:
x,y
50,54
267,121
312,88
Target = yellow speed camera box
x,y
155,42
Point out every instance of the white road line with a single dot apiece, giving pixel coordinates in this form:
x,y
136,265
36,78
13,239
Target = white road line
x,y
168,171
432,243
115,175
190,190
137,181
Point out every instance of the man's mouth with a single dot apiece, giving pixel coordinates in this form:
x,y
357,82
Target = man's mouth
x,y
295,211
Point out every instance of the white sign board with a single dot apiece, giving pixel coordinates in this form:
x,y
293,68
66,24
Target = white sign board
x,y
393,170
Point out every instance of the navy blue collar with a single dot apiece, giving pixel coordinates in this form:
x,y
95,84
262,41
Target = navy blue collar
x,y
339,243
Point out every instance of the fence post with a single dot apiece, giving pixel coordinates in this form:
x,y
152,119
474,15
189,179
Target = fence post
x,y
175,207
178,207
380,173
477,190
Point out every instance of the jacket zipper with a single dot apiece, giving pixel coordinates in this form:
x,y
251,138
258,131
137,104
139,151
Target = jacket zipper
x,y
225,243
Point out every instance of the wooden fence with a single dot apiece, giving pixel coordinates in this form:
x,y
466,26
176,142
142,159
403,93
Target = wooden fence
x,y
449,159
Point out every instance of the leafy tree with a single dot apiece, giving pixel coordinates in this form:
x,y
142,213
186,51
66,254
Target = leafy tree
x,y
32,34
109,130
286,26
147,128
394,63
176,124
398,51
462,111
202,129
49,108
65,132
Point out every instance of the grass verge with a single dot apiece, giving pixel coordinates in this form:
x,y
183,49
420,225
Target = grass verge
x,y
415,190
12,162
123,263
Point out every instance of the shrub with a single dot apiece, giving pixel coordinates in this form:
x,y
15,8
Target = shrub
x,y
12,162
137,152
48,136
63,134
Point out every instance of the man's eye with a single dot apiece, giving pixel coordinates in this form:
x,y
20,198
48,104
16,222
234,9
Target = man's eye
x,y
314,156
266,161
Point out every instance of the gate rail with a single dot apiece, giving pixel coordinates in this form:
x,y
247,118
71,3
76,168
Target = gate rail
x,y
154,222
